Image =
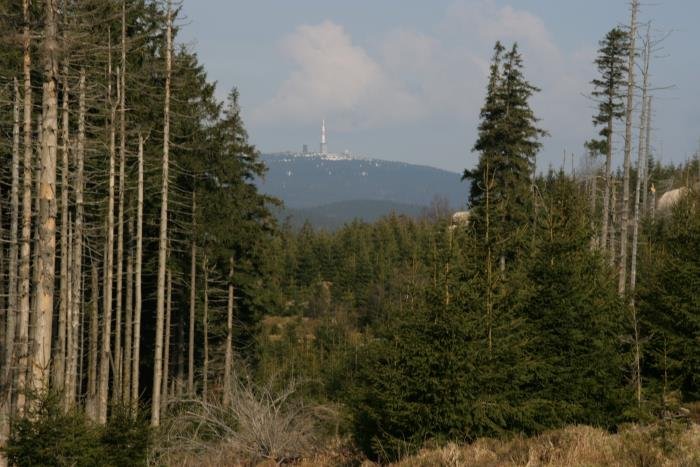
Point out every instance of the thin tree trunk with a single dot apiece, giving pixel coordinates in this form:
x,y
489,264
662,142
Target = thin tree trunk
x,y
72,381
229,338
47,208
7,373
137,283
69,308
613,223
180,354
11,323
119,260
128,324
105,357
624,223
647,151
205,329
121,93
25,251
607,194
193,295
163,237
166,343
81,355
641,157
65,292
91,404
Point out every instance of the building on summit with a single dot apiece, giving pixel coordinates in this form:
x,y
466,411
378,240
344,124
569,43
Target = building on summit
x,y
324,145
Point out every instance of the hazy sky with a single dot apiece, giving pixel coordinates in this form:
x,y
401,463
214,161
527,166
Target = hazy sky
x,y
404,79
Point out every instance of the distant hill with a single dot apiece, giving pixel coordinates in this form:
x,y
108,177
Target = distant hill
x,y
332,189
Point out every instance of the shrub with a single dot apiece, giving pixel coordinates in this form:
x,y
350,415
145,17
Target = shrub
x,y
52,437
260,422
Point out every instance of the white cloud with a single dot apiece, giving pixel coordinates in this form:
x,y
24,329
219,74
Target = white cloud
x,y
335,78
417,76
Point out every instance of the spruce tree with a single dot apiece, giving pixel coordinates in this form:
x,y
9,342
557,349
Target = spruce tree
x,y
608,92
669,304
507,143
575,314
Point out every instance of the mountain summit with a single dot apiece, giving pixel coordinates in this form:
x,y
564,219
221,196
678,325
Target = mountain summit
x,y
311,182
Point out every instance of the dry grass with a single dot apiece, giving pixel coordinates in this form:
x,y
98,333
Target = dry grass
x,y
295,443
573,446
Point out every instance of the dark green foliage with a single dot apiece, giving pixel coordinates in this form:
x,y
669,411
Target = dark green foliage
x,y
52,437
609,87
669,303
508,141
576,315
416,382
125,439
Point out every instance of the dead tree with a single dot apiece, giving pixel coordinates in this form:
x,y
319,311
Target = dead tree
x,y
163,236
138,259
25,251
229,338
72,380
647,151
624,221
121,100
193,296
205,329
47,207
166,346
76,266
108,269
128,320
65,292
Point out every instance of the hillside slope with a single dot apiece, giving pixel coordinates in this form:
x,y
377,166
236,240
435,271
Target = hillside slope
x,y
304,181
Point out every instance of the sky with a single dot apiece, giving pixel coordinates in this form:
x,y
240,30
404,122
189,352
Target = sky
x,y
404,79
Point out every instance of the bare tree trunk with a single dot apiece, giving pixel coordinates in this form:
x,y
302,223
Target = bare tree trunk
x,y
205,328
163,237
116,394
137,283
128,324
69,308
647,151
229,338
47,208
606,195
11,323
641,157
613,218
91,403
121,99
7,373
25,251
72,380
81,354
193,295
166,345
180,355
624,225
65,292
105,357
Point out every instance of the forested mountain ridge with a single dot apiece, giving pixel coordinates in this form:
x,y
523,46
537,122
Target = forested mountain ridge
x,y
309,180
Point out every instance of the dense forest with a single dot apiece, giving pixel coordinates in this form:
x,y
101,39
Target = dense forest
x,y
152,310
